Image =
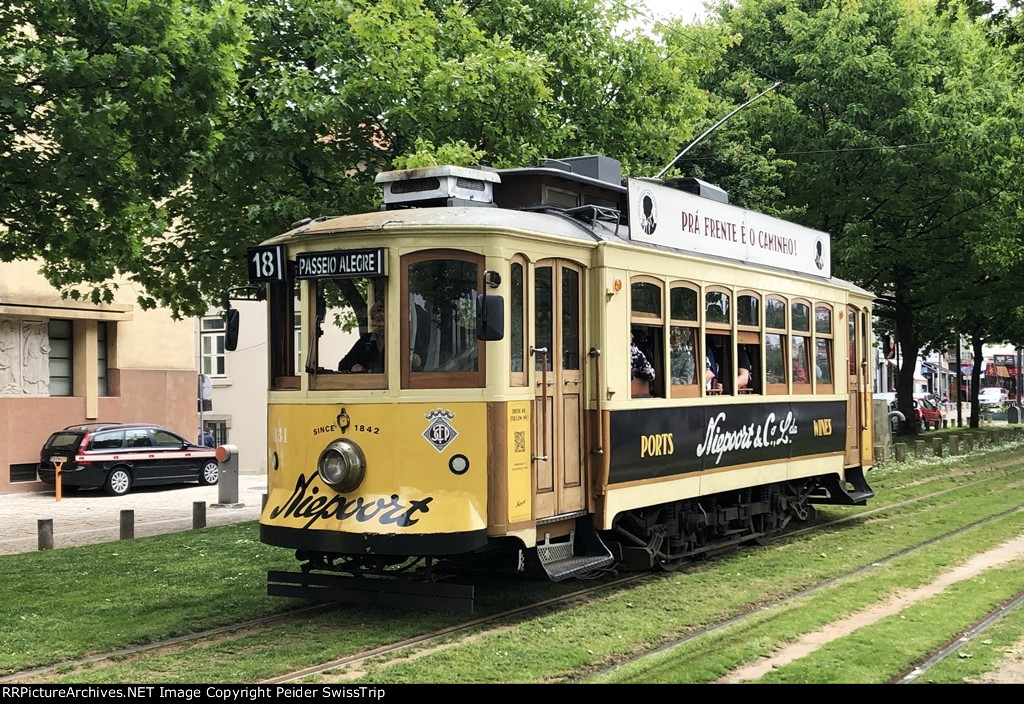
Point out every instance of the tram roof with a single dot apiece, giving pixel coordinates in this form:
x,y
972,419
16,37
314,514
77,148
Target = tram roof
x,y
548,222
671,217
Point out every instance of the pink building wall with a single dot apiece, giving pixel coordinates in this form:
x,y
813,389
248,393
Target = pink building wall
x,y
165,397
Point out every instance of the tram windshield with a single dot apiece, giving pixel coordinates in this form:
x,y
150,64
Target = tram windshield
x,y
442,316
432,326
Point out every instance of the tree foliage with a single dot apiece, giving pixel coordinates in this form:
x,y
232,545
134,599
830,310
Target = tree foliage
x,y
333,93
896,128
105,108
903,125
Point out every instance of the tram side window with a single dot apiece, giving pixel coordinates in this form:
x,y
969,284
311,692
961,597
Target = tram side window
x,y
517,326
345,335
775,345
286,353
851,349
684,356
823,349
543,326
801,347
571,305
442,318
719,365
748,350
684,359
718,350
647,362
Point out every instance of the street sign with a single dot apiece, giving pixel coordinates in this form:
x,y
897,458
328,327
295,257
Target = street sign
x,y
205,387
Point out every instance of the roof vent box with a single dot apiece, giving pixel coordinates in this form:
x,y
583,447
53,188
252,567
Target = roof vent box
x,y
438,183
602,168
699,188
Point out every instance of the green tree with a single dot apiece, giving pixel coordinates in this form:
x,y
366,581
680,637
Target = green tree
x,y
903,127
333,93
106,106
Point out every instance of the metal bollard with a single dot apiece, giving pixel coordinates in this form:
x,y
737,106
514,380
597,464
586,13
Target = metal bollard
x,y
198,514
227,483
45,529
127,524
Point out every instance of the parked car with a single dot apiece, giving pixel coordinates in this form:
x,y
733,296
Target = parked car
x,y
118,456
928,412
992,397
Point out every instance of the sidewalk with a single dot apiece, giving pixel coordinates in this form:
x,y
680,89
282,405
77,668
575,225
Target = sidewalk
x,y
87,517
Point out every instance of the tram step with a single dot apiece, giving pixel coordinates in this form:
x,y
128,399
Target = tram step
x,y
584,552
832,491
559,570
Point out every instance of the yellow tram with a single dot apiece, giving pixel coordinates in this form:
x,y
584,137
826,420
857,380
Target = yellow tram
x,y
490,406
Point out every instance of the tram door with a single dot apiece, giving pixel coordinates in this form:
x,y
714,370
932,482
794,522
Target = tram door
x,y
855,387
558,413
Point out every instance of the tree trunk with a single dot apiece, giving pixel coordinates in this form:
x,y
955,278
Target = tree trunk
x,y
976,342
906,354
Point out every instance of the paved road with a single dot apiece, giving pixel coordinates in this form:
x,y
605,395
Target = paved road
x,y
87,517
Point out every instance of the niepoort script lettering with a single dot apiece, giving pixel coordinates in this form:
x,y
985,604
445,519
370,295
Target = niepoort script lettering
x,y
772,432
304,503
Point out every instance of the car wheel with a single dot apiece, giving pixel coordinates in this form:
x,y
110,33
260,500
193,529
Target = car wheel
x,y
210,473
119,481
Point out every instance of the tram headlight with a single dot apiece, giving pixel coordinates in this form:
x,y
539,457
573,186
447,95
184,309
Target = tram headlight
x,y
342,465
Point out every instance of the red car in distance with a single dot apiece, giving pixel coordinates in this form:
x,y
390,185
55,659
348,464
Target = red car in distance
x,y
928,412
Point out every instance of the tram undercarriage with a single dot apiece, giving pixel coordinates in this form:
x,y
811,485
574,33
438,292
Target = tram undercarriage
x,y
663,536
667,535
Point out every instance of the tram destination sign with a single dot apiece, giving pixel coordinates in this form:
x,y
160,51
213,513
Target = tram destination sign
x,y
673,218
340,264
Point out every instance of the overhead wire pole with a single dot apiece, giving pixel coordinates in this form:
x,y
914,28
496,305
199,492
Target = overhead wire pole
x,y
715,126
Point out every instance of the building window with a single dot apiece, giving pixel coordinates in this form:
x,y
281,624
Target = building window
x,y
101,357
219,428
212,346
22,472
61,358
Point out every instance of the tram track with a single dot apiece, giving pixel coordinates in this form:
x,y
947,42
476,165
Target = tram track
x,y
948,650
502,618
813,588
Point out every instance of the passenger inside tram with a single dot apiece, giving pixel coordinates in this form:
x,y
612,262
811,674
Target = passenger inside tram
x,y
716,362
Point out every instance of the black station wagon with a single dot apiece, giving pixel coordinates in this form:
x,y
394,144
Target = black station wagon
x,y
118,456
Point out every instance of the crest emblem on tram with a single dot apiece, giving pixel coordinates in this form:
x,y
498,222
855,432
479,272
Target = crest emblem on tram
x,y
440,432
